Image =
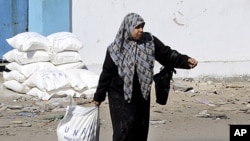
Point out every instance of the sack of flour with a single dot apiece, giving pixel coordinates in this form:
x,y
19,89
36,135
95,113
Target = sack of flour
x,y
79,124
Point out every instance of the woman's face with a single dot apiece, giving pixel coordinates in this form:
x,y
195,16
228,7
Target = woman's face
x,y
136,34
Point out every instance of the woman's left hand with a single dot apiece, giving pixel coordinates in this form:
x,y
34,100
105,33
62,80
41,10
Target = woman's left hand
x,y
192,62
96,103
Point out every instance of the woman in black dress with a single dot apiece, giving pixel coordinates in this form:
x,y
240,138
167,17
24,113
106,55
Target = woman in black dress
x,y
127,76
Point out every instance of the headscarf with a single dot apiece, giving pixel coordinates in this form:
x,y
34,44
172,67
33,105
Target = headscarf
x,y
130,56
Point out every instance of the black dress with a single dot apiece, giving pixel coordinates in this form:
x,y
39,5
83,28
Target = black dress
x,y
130,121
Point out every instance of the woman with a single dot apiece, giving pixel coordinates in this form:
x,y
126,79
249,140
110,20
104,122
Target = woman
x,y
127,77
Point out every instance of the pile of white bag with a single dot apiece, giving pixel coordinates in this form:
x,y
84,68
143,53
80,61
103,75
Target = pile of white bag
x,y
46,66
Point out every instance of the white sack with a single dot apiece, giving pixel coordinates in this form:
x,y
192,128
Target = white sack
x,y
16,86
26,57
76,82
13,66
62,41
31,68
48,80
79,124
29,41
46,95
13,75
89,94
65,57
88,77
76,65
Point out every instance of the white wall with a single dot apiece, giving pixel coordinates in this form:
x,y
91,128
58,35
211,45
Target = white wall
x,y
215,32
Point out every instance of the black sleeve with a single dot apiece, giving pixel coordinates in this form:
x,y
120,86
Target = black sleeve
x,y
168,57
105,78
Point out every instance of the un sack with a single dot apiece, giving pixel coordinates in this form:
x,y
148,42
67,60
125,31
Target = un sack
x,y
79,124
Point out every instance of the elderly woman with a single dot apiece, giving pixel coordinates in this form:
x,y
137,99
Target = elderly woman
x,y
127,75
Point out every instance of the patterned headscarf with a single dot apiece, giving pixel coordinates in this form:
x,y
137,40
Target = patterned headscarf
x,y
130,56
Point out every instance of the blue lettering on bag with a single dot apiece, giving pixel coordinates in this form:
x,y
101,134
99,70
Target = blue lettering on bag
x,y
66,130
75,133
70,139
84,131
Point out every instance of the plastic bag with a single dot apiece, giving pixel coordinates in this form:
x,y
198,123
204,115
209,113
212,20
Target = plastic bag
x,y
79,124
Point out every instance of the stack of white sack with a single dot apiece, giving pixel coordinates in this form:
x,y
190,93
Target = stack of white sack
x,y
65,50
41,66
74,82
29,55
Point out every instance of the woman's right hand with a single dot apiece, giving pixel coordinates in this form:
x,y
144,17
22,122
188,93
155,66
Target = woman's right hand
x,y
192,63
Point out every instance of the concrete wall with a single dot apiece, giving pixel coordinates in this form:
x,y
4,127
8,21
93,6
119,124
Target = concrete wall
x,y
216,32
